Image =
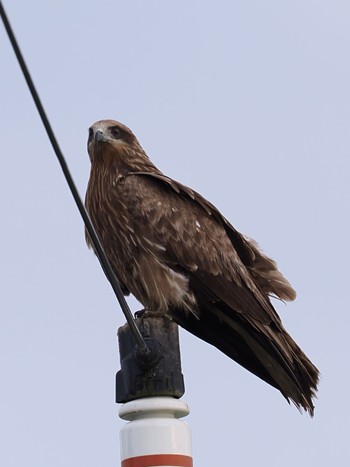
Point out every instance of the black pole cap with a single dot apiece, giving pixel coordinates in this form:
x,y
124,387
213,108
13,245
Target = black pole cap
x,y
155,371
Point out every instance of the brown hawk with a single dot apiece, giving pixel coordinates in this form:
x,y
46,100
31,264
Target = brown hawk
x,y
175,252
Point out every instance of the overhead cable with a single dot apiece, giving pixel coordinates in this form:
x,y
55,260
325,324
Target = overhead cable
x,y
87,221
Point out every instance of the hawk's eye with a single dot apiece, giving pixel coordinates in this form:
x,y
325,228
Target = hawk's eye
x,y
91,134
115,132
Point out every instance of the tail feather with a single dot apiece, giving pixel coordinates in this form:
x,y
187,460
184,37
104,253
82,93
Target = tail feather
x,y
270,354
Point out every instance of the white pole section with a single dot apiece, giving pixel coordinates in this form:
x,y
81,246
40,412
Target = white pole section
x,y
155,436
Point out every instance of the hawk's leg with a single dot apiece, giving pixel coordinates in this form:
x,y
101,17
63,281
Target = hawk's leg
x,y
144,313
139,314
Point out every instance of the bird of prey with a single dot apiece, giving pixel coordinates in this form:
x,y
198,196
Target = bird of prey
x,y
177,254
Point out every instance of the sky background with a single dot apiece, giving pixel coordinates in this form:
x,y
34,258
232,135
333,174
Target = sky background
x,y
248,102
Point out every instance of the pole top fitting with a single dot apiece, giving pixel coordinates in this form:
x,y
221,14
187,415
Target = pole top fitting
x,y
152,370
148,357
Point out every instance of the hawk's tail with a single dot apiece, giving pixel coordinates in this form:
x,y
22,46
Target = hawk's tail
x,y
271,354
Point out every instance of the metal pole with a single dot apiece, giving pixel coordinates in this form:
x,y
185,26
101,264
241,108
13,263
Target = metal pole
x,y
155,435
150,390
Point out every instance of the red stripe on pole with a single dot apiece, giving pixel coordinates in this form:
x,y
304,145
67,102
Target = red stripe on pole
x,y
158,460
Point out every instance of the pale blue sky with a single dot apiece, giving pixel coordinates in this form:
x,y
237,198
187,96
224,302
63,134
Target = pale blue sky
x,y
247,102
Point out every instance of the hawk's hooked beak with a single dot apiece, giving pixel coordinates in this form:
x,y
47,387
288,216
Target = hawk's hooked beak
x,y
99,136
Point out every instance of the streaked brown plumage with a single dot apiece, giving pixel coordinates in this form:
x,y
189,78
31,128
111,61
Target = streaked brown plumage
x,y
176,253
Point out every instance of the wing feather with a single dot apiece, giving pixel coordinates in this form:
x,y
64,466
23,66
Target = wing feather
x,y
263,269
194,239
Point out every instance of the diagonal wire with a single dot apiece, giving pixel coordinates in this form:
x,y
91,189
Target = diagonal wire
x,y
87,221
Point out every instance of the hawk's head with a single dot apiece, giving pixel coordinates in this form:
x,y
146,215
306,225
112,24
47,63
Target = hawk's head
x,y
108,137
